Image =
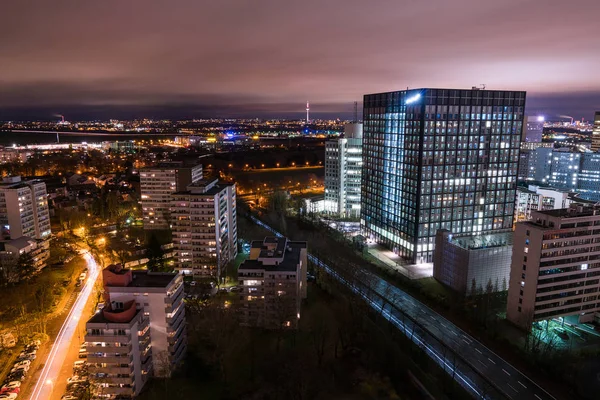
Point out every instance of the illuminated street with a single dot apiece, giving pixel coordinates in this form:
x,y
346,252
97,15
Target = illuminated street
x,y
47,380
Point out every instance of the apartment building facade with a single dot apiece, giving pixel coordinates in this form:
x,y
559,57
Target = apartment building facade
x,y
204,224
273,282
157,184
555,270
119,352
160,297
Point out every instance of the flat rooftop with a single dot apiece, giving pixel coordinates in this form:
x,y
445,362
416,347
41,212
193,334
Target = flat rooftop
x,y
484,241
273,247
151,279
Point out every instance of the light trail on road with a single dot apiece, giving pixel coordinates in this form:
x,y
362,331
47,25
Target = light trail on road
x,y
474,363
47,379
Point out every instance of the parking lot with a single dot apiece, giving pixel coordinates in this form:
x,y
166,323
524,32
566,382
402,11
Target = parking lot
x,y
11,387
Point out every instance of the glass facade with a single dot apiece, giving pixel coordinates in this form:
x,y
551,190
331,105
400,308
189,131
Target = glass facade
x,y
439,159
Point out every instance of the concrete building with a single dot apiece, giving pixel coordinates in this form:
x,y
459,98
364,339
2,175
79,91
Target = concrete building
x,y
439,159
204,221
565,169
24,209
273,280
160,297
588,181
314,204
343,165
537,198
473,263
12,155
528,159
11,250
596,133
554,271
157,184
119,350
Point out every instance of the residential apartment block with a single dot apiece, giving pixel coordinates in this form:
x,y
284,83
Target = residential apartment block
x,y
119,352
555,270
145,314
273,280
157,184
24,209
204,223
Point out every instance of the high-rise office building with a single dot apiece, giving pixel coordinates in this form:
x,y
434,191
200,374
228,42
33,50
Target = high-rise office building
x,y
588,182
533,129
204,227
564,172
157,184
439,159
554,270
343,165
596,132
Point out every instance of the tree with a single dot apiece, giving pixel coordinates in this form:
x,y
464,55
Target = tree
x,y
155,254
25,266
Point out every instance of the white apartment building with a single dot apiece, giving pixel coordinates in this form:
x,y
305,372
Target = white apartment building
x,y
11,250
160,296
119,351
555,270
157,184
343,165
204,223
538,198
24,209
273,280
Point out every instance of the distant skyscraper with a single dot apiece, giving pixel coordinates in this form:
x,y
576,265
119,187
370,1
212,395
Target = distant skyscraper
x,y
533,129
596,132
343,165
439,159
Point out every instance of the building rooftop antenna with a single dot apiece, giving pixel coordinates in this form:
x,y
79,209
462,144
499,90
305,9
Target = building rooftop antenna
x,y
356,111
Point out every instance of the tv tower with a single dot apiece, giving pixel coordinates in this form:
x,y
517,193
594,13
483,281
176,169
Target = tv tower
x,y
307,112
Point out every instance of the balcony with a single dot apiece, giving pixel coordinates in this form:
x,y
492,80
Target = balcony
x,y
113,380
124,339
92,358
113,370
108,349
122,390
175,296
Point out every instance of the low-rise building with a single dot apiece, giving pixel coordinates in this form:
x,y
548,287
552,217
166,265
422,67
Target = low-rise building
x,y
479,263
273,282
555,268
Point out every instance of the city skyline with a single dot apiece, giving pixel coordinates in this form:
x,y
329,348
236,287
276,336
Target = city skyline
x,y
266,60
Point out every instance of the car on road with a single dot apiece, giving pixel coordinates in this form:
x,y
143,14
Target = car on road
x,y
8,396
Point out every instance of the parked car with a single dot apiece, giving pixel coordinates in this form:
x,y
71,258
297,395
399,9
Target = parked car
x,y
235,289
17,376
24,362
8,396
75,379
78,364
10,385
20,368
68,397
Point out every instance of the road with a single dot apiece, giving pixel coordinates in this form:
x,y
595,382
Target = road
x,y
48,377
476,368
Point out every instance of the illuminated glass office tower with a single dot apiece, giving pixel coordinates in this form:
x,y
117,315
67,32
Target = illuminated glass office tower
x,y
439,159
596,132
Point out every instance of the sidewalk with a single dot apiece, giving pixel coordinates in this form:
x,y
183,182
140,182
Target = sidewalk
x,y
397,263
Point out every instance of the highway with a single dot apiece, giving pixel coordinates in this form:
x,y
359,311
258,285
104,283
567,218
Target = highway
x,y
47,379
476,368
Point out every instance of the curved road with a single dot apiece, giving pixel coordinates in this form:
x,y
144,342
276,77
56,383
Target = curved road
x,y
47,379
480,371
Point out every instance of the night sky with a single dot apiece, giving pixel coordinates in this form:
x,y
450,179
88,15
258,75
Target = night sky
x,y
265,58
